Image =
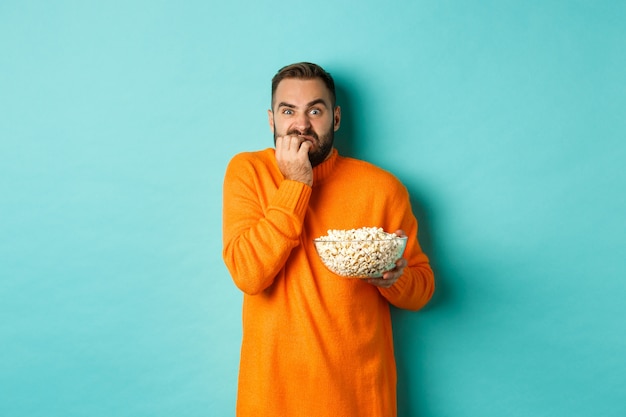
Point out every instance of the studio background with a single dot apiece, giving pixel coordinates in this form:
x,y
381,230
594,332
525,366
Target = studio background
x,y
505,120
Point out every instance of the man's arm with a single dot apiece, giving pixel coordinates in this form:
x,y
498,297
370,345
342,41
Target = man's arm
x,y
413,282
414,288
262,223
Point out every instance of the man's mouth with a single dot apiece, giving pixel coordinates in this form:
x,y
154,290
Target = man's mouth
x,y
308,138
306,135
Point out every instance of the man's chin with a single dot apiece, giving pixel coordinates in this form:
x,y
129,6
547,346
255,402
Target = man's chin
x,y
317,158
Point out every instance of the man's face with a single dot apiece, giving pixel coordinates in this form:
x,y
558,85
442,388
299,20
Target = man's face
x,y
304,108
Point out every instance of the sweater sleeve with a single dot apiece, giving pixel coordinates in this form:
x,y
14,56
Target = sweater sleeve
x,y
261,224
417,284
414,288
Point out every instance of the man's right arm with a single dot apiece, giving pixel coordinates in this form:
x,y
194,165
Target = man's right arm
x,y
261,224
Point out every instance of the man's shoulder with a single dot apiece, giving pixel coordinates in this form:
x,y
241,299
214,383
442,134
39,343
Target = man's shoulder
x,y
365,175
262,154
366,168
252,158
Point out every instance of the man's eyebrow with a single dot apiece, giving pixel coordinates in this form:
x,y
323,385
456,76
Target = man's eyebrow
x,y
310,104
317,101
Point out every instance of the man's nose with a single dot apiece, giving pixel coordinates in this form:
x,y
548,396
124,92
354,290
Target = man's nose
x,y
303,123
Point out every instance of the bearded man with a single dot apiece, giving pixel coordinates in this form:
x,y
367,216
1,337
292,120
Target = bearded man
x,y
314,343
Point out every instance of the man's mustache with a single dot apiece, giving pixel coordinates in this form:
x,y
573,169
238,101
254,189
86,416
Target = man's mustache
x,y
307,132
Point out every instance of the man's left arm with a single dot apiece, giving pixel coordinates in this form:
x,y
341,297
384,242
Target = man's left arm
x,y
411,284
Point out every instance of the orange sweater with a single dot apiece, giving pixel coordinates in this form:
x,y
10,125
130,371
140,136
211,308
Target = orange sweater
x,y
315,344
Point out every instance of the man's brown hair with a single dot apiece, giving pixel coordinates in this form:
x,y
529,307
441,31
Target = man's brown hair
x,y
304,71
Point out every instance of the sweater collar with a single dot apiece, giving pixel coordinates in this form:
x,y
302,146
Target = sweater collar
x,y
324,170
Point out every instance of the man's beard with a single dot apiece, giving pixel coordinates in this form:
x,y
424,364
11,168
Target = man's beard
x,y
325,145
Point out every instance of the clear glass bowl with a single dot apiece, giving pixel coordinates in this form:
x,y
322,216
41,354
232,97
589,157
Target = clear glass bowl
x,y
360,258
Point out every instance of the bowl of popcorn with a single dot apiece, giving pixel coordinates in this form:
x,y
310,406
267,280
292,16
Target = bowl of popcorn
x,y
360,253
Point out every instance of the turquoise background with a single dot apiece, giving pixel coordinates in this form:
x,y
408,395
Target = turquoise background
x,y
505,119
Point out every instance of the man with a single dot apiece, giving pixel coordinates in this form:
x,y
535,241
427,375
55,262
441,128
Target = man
x,y
314,343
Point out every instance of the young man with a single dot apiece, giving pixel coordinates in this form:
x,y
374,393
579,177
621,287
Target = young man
x,y
314,343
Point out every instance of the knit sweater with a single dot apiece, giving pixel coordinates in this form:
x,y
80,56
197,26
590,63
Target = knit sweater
x,y
314,343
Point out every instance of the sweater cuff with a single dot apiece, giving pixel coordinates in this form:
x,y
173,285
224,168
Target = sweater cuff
x,y
293,196
396,291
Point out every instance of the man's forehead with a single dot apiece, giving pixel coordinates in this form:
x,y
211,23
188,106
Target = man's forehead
x,y
301,91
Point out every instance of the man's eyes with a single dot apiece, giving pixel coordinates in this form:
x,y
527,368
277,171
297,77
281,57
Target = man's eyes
x,y
312,112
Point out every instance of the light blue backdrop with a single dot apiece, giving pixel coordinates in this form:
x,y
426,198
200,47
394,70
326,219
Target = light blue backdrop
x,y
505,119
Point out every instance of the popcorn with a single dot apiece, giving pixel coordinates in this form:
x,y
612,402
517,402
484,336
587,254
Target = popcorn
x,y
360,253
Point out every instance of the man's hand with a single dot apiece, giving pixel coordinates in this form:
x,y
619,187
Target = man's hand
x,y
292,156
390,277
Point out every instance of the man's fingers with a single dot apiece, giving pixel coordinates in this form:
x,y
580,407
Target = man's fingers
x,y
305,146
289,143
293,159
294,143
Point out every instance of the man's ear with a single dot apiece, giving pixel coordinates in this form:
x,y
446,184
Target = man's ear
x,y
270,119
337,118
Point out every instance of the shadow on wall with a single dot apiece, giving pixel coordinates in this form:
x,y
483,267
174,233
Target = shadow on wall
x,y
407,336
345,136
408,339
424,212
